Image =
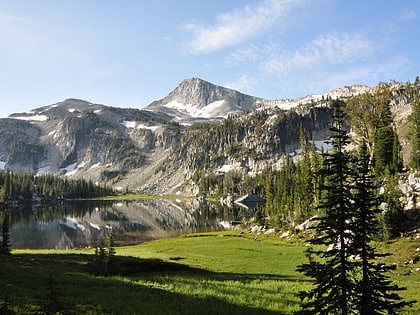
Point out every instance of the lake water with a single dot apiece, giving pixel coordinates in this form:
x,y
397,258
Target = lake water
x,y
84,224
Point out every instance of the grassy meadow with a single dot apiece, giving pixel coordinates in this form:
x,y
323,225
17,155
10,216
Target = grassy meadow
x,y
227,272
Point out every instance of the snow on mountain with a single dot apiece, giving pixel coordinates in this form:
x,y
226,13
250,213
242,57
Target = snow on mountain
x,y
136,125
32,117
340,93
211,110
196,99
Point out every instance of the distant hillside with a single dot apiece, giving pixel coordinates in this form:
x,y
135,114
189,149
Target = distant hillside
x,y
157,149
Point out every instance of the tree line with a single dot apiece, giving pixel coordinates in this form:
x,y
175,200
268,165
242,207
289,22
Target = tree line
x,y
27,188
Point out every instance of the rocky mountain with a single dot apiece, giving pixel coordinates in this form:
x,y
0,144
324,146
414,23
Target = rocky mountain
x,y
197,100
77,138
157,149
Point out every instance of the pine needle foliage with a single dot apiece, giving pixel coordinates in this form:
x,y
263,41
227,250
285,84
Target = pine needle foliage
x,y
347,277
5,245
376,294
333,271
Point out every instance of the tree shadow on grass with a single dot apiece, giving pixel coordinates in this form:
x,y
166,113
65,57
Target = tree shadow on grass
x,y
25,277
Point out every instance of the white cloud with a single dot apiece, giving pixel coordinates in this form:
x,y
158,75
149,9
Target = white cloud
x,y
324,50
236,26
252,53
244,84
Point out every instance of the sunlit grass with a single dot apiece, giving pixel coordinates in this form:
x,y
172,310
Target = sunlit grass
x,y
227,272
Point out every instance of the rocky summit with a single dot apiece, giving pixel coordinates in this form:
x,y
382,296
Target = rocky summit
x,y
157,149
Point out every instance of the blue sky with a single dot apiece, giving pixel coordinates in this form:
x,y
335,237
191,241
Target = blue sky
x,y
130,53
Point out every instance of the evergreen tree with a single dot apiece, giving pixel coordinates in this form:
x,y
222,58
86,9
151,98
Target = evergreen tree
x,y
370,116
5,246
50,304
415,140
303,192
104,262
112,262
100,260
393,214
334,286
374,296
386,152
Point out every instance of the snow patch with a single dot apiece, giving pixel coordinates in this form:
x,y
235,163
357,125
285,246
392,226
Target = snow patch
x,y
208,111
71,110
95,165
44,170
228,167
133,125
31,118
129,124
340,93
70,169
94,226
153,128
70,222
2,165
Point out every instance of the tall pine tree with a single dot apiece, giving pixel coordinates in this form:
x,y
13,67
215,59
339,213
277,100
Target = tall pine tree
x,y
375,294
334,286
5,246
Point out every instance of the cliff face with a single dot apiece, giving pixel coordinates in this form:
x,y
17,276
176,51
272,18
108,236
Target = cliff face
x,y
197,126
76,138
251,141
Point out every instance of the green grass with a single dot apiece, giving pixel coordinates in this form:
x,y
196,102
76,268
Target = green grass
x,y
209,273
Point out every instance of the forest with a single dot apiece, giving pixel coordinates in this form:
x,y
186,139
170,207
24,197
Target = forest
x,y
30,188
293,192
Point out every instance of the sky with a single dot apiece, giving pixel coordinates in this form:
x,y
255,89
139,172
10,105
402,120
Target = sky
x,y
128,53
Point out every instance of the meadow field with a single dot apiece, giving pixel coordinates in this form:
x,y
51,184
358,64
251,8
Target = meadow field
x,y
229,272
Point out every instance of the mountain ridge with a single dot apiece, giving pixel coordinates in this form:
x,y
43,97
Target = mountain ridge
x,y
154,149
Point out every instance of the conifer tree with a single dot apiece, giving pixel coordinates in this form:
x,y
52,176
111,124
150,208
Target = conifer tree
x,y
51,303
393,214
303,186
112,262
104,262
334,286
374,294
5,246
415,140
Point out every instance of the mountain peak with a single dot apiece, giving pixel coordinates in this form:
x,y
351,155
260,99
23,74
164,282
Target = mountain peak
x,y
195,98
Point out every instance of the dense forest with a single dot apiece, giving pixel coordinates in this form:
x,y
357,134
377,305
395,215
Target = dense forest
x,y
293,193
27,188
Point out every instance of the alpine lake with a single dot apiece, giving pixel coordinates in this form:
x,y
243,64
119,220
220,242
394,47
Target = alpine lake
x,y
84,224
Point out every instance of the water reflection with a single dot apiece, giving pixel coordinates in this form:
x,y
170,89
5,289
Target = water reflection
x,y
83,223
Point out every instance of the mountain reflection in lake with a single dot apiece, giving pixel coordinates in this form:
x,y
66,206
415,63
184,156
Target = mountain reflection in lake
x,y
85,223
